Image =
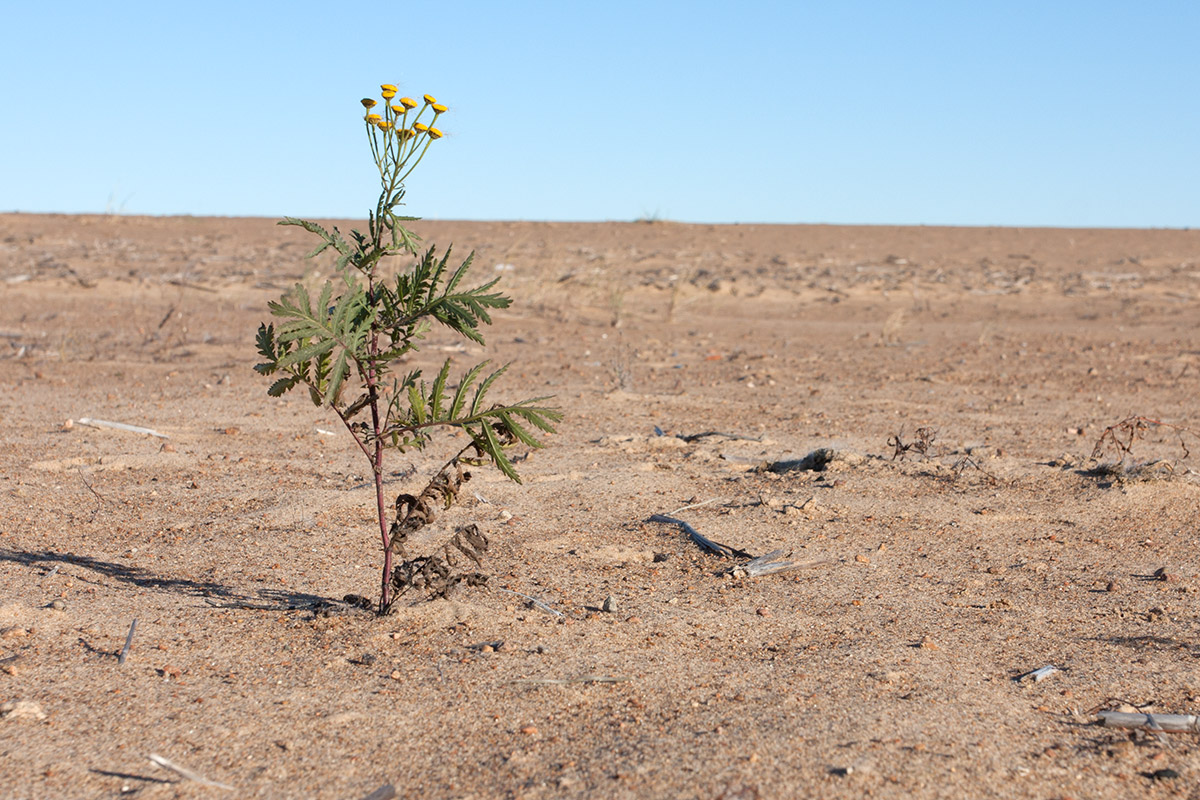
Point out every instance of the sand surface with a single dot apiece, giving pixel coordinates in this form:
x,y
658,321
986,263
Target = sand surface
x,y
888,669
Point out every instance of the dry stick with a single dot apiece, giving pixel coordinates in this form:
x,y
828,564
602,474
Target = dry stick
x,y
566,681
120,426
704,542
693,505
692,437
128,642
763,565
766,565
186,773
1168,723
536,602
89,486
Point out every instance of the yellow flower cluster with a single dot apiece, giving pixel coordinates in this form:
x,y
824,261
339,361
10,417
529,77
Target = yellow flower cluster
x,y
395,138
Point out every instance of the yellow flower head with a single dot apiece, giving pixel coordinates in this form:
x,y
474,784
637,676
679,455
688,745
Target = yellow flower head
x,y
439,108
405,134
388,90
434,133
421,127
397,110
430,99
368,102
385,126
374,119
408,102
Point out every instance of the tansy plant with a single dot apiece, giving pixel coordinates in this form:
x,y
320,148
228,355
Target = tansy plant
x,y
344,344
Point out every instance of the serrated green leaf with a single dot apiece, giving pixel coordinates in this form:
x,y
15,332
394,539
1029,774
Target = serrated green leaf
x,y
438,393
282,385
464,386
308,352
416,404
337,374
481,393
495,452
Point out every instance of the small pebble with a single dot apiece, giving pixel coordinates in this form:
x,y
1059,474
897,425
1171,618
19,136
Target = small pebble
x,y
22,710
529,730
1112,586
860,558
610,604
763,612
58,605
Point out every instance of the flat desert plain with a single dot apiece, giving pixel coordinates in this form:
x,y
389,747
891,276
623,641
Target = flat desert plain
x,y
957,535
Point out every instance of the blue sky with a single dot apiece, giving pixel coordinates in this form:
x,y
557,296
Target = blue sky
x,y
959,113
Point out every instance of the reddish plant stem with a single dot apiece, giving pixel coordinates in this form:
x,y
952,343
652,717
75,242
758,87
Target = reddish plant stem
x,y
385,593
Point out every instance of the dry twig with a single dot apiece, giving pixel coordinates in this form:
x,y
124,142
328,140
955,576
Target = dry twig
x,y
1166,723
128,642
566,681
536,602
186,773
705,543
120,426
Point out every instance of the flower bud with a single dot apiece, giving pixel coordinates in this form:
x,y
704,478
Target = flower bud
x,y
439,108
430,99
374,119
421,127
408,102
388,90
368,102
434,133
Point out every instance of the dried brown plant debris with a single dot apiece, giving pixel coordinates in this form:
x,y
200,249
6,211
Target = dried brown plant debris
x,y
966,462
923,444
1118,439
436,575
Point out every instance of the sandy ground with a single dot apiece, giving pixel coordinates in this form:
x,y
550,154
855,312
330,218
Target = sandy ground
x,y
889,670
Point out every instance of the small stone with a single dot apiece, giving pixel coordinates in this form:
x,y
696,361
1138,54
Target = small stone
x,y
661,557
396,675
1163,775
610,604
634,620
58,605
68,425
1112,586
16,632
167,448
487,648
928,644
529,730
860,558
22,710
763,611
1163,574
